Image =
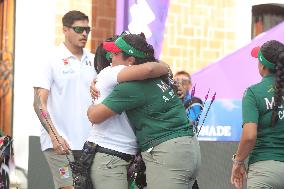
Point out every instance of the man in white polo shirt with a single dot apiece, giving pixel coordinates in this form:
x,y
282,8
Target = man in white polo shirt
x,y
62,98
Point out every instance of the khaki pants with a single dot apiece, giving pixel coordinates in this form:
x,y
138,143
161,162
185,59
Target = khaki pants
x,y
59,167
266,175
173,164
109,172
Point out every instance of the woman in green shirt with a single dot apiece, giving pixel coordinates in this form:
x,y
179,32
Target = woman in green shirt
x,y
263,124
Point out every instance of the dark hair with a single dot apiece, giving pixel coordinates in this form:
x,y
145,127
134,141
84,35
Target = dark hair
x,y
139,42
100,60
273,51
71,16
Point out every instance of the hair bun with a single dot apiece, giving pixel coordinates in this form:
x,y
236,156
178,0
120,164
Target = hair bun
x,y
143,35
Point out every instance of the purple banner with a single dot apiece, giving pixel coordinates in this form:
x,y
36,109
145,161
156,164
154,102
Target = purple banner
x,y
229,77
147,16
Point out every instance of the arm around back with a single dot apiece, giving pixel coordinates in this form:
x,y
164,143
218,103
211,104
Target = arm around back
x,y
142,71
99,113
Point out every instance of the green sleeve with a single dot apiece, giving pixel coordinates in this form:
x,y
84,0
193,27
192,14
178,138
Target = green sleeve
x,y
125,96
250,109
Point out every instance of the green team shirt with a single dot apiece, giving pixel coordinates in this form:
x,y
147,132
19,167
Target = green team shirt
x,y
257,107
156,113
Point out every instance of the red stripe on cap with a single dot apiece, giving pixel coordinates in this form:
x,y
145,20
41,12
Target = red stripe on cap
x,y
254,52
111,47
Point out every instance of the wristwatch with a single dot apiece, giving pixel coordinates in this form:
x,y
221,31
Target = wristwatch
x,y
237,162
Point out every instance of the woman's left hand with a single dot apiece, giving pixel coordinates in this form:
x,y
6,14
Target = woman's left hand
x,y
95,93
238,175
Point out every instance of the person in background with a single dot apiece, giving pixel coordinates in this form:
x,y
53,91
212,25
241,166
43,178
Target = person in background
x,y
61,96
263,124
192,104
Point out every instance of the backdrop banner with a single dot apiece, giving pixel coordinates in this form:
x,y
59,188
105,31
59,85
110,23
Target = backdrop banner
x,y
145,16
229,77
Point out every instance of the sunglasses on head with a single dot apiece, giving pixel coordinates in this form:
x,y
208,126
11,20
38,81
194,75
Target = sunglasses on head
x,y
80,29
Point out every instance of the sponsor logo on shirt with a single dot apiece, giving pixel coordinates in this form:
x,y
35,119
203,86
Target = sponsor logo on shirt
x,y
66,62
69,71
67,67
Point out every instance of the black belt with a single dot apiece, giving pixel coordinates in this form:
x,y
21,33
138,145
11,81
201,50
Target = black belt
x,y
124,156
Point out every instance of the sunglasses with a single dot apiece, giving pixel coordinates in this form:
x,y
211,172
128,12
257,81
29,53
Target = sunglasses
x,y
80,29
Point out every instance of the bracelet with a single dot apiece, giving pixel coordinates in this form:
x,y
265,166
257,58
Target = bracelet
x,y
237,162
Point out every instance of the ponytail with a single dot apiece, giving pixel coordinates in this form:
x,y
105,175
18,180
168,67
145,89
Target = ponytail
x,y
279,85
101,61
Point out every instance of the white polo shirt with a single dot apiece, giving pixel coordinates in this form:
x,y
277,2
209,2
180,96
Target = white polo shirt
x,y
114,133
68,80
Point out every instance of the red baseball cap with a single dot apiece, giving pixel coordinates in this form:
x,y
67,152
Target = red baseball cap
x,y
111,47
254,52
